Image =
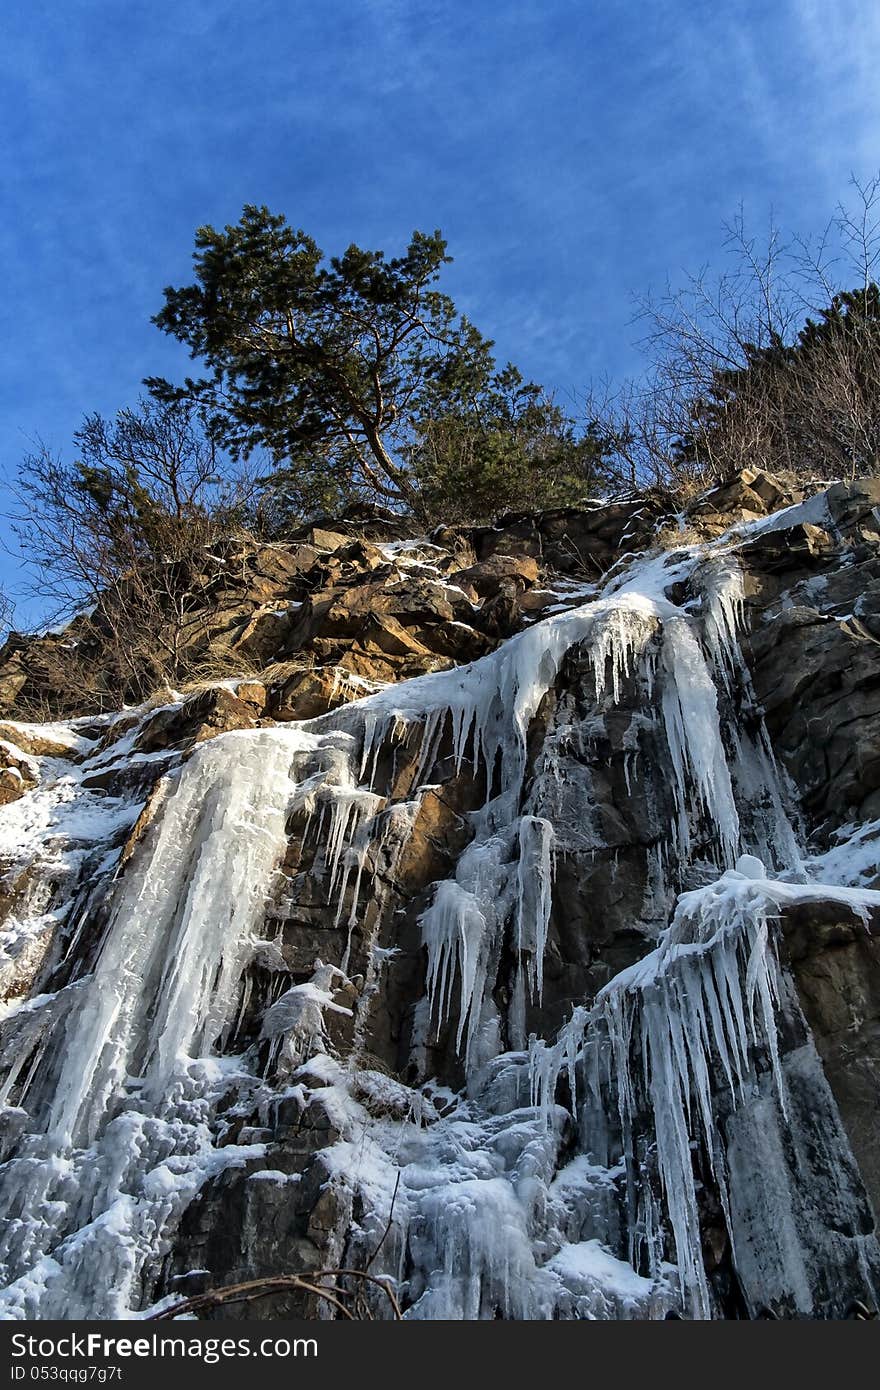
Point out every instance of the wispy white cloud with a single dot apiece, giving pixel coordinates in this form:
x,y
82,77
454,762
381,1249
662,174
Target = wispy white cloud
x,y
571,150
840,46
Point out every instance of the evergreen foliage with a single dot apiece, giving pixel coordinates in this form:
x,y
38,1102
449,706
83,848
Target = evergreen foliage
x,y
361,379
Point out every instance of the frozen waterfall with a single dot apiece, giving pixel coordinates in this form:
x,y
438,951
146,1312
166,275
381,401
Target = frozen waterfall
x,y
569,1176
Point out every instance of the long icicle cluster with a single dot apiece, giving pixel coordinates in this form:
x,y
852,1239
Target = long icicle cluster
x,y
137,1077
683,1021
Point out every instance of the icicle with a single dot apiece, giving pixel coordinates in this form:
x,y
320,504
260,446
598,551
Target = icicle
x,y
690,711
680,1024
724,593
128,1133
189,912
163,989
534,895
454,931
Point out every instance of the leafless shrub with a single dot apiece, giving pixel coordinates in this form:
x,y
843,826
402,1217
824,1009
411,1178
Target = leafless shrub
x,y
130,538
343,1289
773,364
672,536
6,611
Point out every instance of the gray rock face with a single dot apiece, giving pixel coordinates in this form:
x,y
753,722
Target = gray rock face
x,y
835,958
813,654
565,1065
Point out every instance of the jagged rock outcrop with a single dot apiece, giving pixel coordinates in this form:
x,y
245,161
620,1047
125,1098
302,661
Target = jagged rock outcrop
x,y
357,601
514,907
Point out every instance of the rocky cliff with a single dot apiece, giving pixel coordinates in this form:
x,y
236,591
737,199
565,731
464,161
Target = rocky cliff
x,y
503,929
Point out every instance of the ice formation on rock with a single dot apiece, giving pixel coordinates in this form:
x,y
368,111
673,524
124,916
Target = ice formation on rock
x,y
509,1202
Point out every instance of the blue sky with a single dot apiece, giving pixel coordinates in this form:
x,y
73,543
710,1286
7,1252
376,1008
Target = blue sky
x,y
572,152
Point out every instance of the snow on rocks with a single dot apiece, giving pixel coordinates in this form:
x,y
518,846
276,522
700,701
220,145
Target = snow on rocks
x,y
564,1178
296,1019
697,1015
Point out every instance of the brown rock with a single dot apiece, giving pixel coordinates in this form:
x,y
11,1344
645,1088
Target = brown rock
x,y
18,774
262,636
144,821
253,693
735,498
853,506
501,615
40,745
283,564
359,555
307,693
346,614
202,716
500,571
773,491
460,642
439,833
519,536
328,540
382,632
